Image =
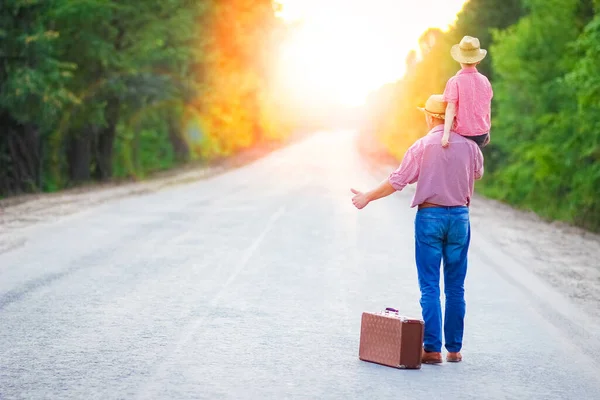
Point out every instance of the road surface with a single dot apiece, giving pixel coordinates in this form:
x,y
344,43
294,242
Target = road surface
x,y
251,285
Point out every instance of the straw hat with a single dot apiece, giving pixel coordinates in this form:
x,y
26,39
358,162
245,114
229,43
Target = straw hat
x,y
468,51
435,106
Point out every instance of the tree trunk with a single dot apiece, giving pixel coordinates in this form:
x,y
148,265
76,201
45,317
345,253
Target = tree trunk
x,y
80,157
19,156
180,147
137,163
106,140
30,148
257,130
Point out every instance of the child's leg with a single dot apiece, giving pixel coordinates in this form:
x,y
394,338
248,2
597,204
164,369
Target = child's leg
x,y
448,122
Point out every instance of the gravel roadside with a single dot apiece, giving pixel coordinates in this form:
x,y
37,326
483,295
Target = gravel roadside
x,y
22,212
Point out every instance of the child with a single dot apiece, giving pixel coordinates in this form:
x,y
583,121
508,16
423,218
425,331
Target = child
x,y
469,95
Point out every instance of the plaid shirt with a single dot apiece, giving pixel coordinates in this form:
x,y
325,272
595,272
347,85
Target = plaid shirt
x,y
444,176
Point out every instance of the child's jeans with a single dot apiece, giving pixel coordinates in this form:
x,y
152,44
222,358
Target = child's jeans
x,y
481,140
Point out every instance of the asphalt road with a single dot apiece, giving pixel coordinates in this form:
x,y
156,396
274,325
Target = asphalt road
x,y
251,285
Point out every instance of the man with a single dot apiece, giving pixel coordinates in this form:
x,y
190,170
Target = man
x,y
445,179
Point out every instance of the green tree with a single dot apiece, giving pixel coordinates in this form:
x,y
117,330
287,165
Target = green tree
x,y
584,145
479,18
539,135
133,56
33,90
90,89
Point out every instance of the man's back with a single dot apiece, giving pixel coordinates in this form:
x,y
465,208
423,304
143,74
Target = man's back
x,y
447,175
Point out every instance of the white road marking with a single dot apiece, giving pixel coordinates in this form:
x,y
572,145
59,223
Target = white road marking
x,y
155,381
249,253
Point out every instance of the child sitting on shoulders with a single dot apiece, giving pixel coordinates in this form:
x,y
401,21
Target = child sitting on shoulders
x,y
469,95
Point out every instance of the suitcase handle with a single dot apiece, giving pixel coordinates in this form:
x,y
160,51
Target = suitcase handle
x,y
391,309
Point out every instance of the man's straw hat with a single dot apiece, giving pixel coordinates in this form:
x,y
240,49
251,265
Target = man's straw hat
x,y
435,106
468,51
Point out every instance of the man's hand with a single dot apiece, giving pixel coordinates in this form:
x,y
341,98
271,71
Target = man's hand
x,y
359,199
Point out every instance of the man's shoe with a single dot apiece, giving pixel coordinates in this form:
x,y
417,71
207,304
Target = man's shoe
x,y
454,357
431,358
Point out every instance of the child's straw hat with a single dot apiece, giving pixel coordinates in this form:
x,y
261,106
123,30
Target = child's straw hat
x,y
468,51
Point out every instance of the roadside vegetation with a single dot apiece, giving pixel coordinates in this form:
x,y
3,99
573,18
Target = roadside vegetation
x,y
93,90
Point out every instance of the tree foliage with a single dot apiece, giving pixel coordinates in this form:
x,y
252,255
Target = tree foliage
x,y
91,89
546,129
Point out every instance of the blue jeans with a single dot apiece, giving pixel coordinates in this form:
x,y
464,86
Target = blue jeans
x,y
442,234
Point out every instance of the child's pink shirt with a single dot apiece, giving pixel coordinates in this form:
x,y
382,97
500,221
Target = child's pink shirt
x,y
472,93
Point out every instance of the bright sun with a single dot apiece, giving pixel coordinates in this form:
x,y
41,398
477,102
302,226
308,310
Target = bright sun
x,y
345,49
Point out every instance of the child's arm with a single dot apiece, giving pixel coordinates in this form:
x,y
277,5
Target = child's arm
x,y
449,120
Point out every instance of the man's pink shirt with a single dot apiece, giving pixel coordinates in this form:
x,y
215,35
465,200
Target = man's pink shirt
x,y
472,92
444,176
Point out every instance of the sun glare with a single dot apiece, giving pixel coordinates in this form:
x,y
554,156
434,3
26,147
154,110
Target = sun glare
x,y
343,50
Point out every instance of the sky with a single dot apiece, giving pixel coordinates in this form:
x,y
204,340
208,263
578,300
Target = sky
x,y
346,49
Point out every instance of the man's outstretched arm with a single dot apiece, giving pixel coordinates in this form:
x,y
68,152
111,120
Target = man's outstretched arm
x,y
407,173
360,199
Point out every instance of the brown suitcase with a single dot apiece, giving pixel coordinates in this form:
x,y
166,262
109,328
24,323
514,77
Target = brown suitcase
x,y
390,339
